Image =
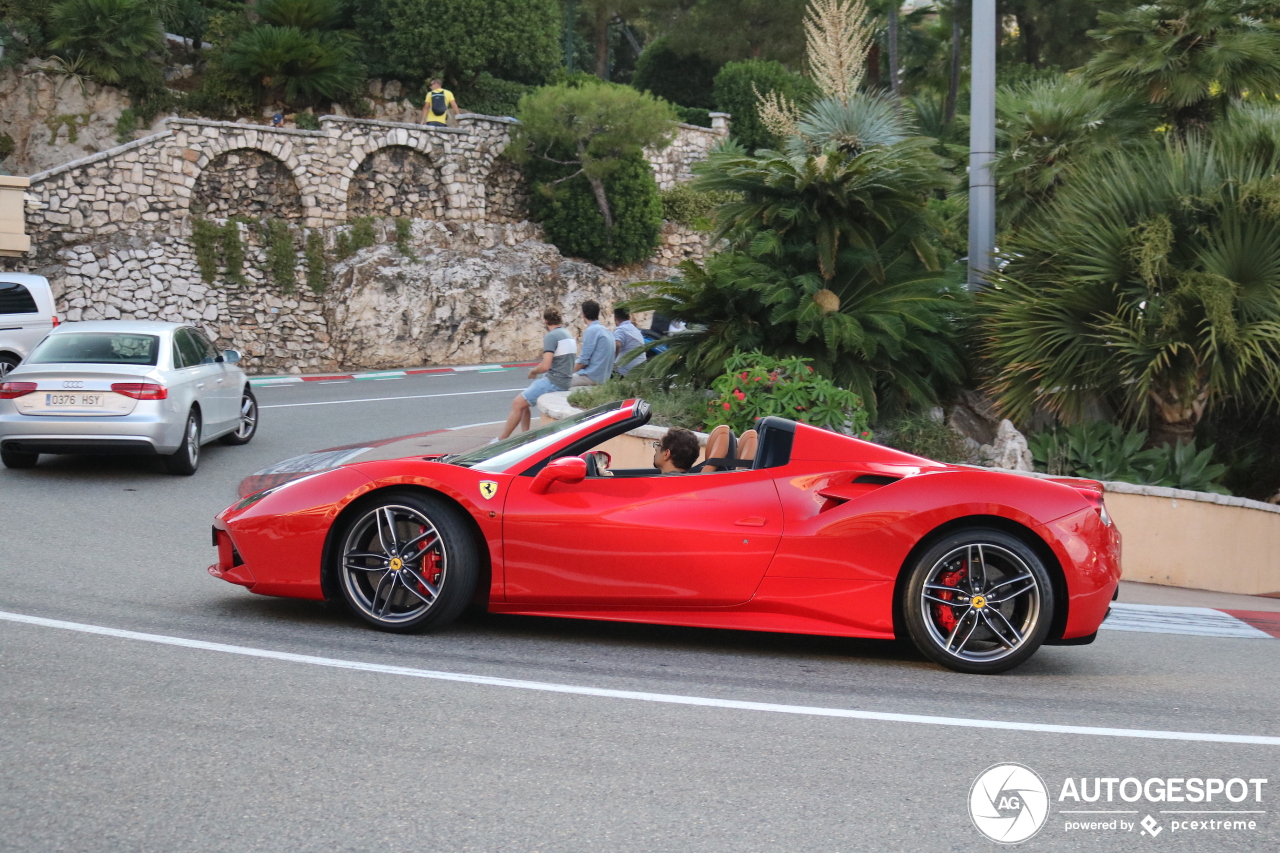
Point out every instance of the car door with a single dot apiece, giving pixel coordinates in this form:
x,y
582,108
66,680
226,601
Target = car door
x,y
200,371
674,540
225,386
24,321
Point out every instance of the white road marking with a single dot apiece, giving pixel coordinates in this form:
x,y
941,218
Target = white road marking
x,y
1164,619
634,695
385,399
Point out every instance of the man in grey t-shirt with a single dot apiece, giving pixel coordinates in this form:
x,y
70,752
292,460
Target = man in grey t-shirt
x,y
558,351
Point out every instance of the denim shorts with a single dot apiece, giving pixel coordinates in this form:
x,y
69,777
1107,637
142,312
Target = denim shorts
x,y
541,385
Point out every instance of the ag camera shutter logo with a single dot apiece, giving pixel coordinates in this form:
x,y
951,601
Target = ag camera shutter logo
x,y
1008,803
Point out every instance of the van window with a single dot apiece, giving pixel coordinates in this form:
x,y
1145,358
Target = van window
x,y
16,299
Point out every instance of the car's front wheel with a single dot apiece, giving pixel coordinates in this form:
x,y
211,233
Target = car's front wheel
x,y
978,601
247,426
407,562
186,459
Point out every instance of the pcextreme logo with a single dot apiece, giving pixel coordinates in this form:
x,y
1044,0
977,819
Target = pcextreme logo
x,y
1008,803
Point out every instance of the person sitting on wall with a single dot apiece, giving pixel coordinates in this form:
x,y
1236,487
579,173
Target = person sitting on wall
x,y
626,339
558,349
435,110
676,452
596,362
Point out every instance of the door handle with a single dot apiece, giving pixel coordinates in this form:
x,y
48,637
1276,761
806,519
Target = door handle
x,y
753,521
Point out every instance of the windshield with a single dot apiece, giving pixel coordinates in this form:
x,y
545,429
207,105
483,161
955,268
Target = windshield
x,y
504,454
96,348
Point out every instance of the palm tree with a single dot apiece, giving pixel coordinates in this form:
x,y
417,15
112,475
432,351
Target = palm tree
x,y
1048,129
1151,284
1190,57
300,67
117,42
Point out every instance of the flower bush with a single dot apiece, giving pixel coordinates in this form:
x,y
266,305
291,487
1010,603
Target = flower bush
x,y
755,385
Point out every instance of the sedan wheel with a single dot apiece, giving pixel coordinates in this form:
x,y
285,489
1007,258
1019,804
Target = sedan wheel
x,y
186,459
407,562
248,423
980,601
7,363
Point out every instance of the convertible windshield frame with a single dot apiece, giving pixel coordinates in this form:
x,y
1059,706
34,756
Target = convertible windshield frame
x,y
507,455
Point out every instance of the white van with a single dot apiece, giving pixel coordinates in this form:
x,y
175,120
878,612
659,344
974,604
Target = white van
x,y
26,316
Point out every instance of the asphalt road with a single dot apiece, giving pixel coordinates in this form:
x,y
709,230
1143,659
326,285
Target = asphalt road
x,y
123,743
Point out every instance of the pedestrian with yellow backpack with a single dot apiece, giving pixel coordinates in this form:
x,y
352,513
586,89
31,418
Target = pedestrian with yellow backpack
x,y
435,111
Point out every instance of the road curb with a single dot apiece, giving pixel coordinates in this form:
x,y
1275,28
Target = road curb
x,y
298,379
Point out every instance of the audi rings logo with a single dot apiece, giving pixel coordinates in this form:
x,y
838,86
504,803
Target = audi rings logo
x,y
1008,803
74,383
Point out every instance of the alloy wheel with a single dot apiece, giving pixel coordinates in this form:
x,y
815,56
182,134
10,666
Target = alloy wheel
x,y
981,603
394,564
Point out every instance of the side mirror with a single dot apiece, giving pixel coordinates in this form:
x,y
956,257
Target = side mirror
x,y
566,469
231,356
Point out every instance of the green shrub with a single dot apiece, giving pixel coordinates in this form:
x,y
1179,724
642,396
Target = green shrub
x,y
342,246
694,208
7,145
307,120
684,80
315,262
126,125
683,407
296,66
755,386
205,239
573,222
1102,451
282,260
923,436
489,95
693,115
735,93
404,236
362,234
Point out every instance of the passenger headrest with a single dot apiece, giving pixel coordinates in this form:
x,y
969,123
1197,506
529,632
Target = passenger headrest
x,y
747,444
721,444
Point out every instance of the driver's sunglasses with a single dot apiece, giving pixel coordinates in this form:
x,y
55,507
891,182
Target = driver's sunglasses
x,y
657,445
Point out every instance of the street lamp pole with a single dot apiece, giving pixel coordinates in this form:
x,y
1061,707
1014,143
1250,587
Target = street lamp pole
x,y
982,142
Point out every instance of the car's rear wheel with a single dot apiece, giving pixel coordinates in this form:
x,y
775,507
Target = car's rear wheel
x,y
7,362
186,459
407,562
979,601
14,458
247,426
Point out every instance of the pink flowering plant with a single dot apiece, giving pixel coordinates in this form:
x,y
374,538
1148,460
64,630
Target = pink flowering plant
x,y
755,385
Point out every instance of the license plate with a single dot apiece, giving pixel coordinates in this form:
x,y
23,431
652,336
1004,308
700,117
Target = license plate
x,y
78,401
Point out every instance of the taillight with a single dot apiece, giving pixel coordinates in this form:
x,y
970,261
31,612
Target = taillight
x,y
141,390
1096,499
56,321
13,390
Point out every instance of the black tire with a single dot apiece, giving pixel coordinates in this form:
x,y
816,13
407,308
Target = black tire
x,y
978,601
186,459
247,427
393,583
14,458
7,362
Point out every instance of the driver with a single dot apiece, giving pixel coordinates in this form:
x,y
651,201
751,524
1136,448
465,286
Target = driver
x,y
676,453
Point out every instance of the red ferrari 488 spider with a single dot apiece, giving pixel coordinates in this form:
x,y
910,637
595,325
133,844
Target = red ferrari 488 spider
x,y
809,532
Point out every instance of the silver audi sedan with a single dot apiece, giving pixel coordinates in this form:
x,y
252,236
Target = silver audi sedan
x,y
125,387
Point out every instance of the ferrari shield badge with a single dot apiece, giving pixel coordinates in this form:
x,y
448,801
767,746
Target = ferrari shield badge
x,y
488,488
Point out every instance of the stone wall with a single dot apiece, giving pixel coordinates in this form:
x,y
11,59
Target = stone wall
x,y
113,234
674,164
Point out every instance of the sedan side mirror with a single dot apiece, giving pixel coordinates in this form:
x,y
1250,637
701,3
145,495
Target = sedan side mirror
x,y
231,356
566,469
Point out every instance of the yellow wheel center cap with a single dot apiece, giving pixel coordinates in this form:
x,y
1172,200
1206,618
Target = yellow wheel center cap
x,y
396,564
978,601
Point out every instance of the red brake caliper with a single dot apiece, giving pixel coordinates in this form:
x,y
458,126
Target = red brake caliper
x,y
946,613
430,565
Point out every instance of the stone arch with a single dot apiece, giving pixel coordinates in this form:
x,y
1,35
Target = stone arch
x,y
506,192
397,180
247,181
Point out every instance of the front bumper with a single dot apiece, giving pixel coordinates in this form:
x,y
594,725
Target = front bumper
x,y
146,430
